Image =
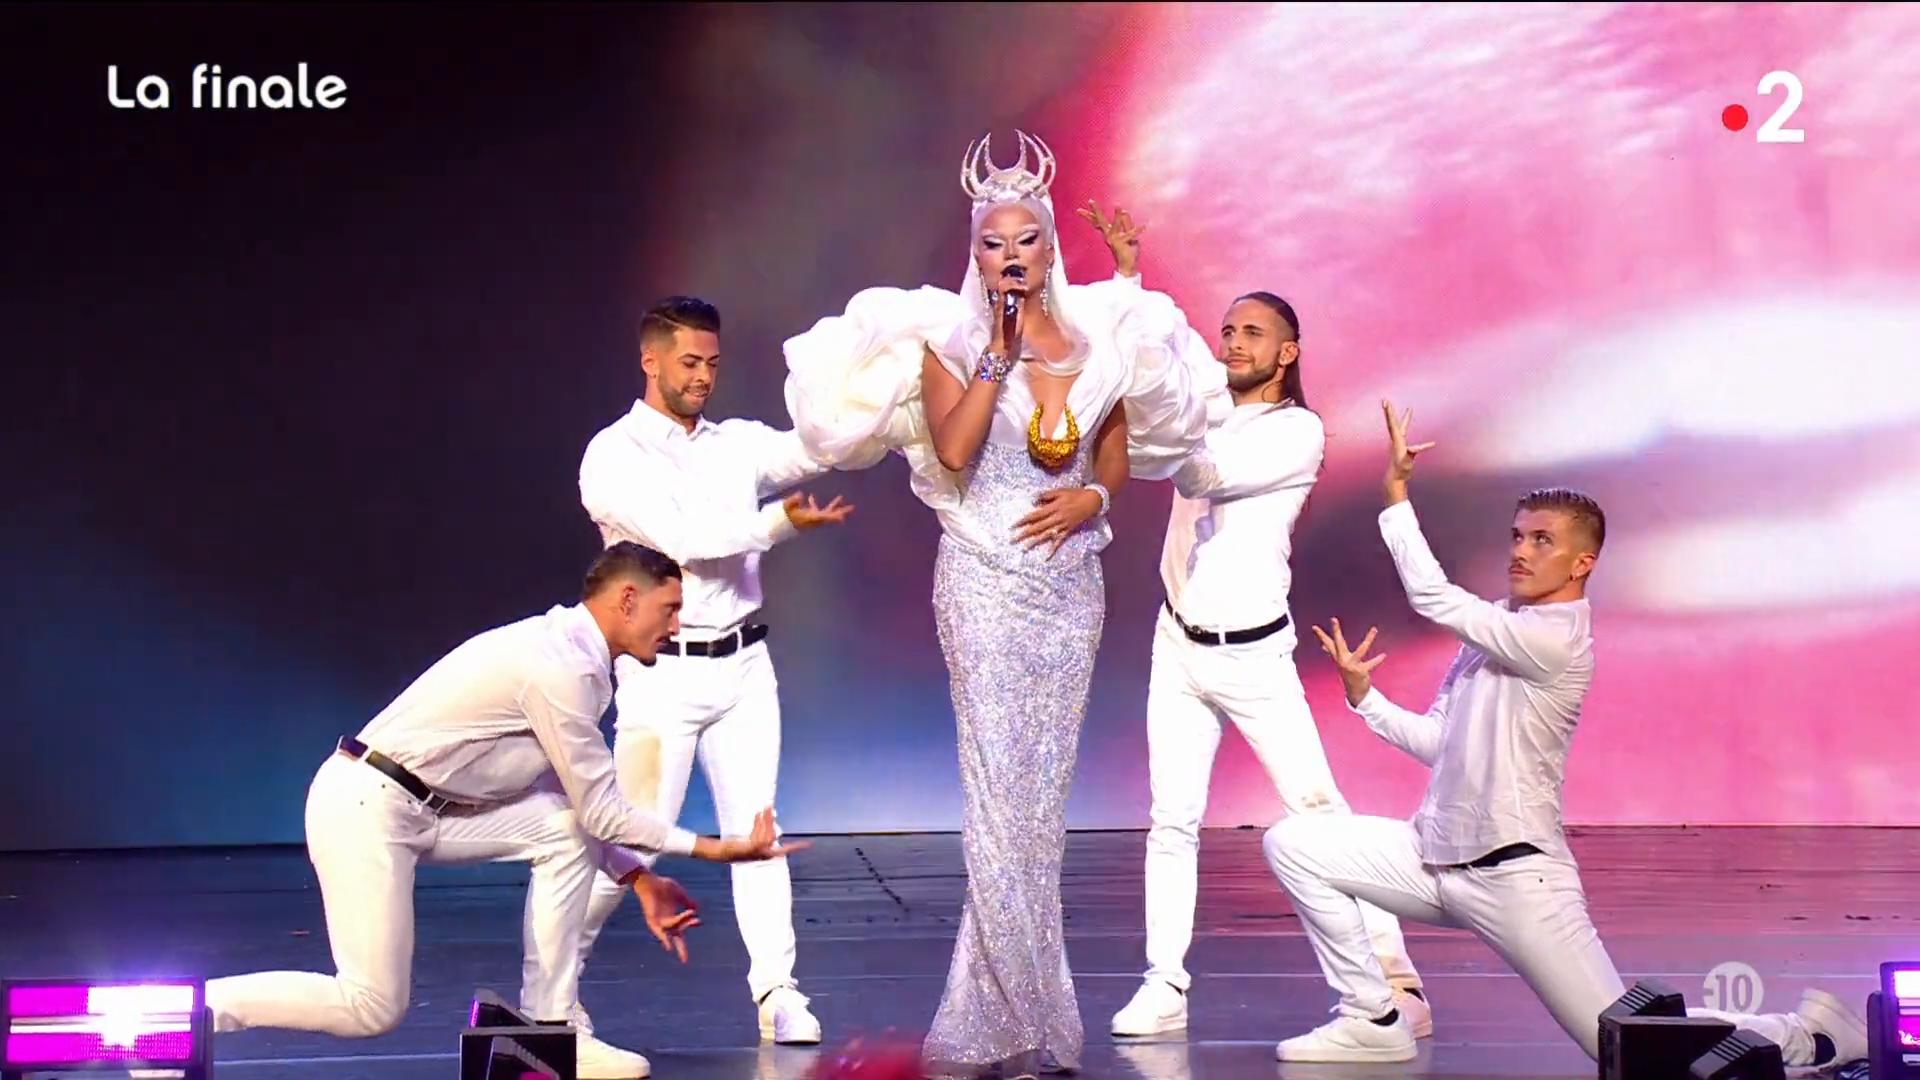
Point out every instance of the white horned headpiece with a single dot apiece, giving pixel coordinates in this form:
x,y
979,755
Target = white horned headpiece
x,y
1028,180
986,183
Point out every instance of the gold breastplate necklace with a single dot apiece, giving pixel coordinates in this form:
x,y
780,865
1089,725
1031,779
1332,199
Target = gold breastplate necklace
x,y
1052,454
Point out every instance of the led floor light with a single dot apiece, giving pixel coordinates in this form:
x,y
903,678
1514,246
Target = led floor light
x,y
72,1025
501,1043
1741,1056
1647,1035
1893,1023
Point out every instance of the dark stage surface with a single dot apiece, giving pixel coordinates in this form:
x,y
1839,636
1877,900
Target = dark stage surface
x,y
876,914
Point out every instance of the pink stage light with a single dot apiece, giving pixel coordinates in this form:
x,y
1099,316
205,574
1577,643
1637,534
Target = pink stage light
x,y
58,1024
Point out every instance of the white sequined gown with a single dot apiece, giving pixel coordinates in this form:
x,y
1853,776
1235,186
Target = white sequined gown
x,y
1019,631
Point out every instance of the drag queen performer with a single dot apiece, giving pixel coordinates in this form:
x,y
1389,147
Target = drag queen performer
x,y
1021,405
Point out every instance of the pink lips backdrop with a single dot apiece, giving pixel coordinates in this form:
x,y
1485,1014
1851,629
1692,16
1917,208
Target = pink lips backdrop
x,y
1528,224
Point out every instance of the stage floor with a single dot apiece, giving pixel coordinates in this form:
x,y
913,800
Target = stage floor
x,y
876,916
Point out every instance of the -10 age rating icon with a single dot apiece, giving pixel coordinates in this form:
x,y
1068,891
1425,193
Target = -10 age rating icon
x,y
1733,987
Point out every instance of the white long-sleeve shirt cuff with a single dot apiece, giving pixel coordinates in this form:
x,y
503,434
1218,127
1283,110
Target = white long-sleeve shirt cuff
x,y
679,841
1377,712
1399,517
1412,732
618,862
1374,708
1421,575
778,525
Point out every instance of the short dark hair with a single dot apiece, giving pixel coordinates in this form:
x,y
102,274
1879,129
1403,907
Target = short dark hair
x,y
1290,385
628,561
1581,507
658,325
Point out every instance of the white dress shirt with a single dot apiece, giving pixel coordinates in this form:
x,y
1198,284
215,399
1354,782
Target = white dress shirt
x,y
696,497
1230,534
489,721
1500,727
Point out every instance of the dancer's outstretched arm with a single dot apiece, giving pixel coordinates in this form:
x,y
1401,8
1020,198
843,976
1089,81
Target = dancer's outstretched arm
x,y
1535,643
1417,734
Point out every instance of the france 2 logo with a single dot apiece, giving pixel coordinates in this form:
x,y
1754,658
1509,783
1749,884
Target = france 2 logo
x,y
1775,130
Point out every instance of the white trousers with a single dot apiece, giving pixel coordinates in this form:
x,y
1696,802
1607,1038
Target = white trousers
x,y
1191,690
365,836
725,711
1532,911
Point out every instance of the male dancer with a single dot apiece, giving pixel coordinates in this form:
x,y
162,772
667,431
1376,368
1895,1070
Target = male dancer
x,y
493,755
1223,645
665,476
1486,850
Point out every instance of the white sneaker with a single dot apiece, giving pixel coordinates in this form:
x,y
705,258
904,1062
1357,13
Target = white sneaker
x,y
1829,1016
1349,1039
578,1017
785,1020
600,1061
1157,1008
1415,1011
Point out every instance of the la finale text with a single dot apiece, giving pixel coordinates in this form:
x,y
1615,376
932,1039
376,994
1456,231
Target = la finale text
x,y
211,89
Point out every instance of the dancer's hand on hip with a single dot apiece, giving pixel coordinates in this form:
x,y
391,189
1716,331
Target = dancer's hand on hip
x,y
669,910
1356,669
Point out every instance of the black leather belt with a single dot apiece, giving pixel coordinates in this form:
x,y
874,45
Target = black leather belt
x,y
1501,855
1228,637
750,634
395,772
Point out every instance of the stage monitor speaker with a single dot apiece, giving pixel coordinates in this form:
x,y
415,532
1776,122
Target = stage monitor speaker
x,y
1741,1056
56,1026
1647,1035
502,1043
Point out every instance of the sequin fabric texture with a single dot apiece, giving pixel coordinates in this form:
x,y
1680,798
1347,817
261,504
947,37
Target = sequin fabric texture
x,y
1020,632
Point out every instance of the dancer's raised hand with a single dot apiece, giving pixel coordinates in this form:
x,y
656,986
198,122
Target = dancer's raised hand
x,y
1356,669
1121,234
1400,455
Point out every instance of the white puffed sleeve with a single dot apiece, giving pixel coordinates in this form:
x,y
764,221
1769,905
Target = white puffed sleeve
x,y
853,384
1175,389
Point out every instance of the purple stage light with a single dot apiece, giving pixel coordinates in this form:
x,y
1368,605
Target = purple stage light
x,y
1902,983
60,1024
